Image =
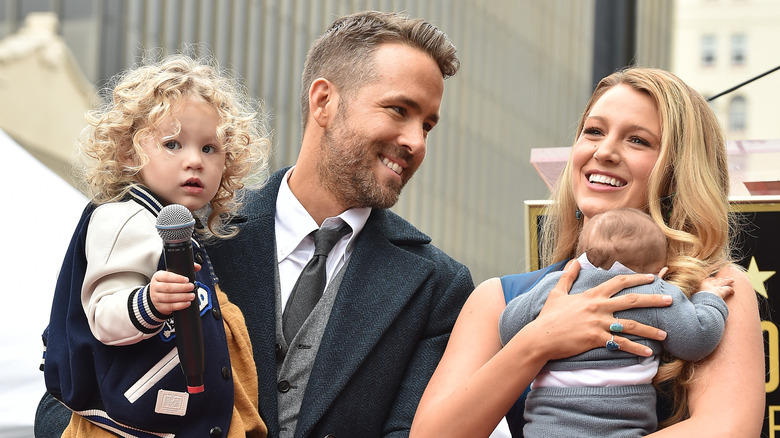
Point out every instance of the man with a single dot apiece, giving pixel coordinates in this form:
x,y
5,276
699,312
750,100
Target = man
x,y
358,365
372,87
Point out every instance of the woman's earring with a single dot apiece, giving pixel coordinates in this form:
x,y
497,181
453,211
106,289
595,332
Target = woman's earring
x,y
578,214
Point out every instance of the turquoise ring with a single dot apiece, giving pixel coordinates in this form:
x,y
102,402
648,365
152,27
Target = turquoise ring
x,y
612,345
616,326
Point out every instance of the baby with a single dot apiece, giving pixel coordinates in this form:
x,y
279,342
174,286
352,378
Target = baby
x,y
607,392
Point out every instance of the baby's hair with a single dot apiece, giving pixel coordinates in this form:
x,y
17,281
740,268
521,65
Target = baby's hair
x,y
624,235
140,98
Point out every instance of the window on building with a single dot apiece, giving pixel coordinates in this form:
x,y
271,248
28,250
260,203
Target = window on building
x,y
708,49
737,114
738,49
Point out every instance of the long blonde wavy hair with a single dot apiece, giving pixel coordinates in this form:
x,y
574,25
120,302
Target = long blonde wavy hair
x,y
110,146
687,197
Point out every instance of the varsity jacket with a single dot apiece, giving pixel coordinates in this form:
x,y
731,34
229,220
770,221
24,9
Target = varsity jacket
x,y
131,383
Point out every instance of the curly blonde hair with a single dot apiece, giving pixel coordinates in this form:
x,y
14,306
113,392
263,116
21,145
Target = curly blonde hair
x,y
142,97
687,197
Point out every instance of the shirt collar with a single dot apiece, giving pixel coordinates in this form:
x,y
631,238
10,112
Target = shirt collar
x,y
293,223
617,267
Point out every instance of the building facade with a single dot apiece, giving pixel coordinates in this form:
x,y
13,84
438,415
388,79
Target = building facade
x,y
719,44
526,75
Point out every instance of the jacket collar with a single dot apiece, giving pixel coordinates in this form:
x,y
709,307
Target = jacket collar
x,y
145,198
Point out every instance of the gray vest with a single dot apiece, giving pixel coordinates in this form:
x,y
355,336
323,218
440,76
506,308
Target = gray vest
x,y
294,370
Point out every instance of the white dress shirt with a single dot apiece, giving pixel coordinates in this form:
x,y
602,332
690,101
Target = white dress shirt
x,y
294,245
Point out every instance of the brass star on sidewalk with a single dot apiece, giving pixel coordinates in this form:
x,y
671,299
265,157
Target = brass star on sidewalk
x,y
757,278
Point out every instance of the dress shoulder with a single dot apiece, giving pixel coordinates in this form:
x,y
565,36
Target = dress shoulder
x,y
517,284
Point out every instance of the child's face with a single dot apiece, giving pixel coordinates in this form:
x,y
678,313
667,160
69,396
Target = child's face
x,y
185,167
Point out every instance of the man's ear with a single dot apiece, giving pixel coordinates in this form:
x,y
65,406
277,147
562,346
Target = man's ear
x,y
323,101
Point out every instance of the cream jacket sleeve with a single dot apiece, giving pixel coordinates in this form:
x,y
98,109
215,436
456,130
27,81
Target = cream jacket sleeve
x,y
123,251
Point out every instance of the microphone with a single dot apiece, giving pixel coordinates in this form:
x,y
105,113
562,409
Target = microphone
x,y
175,225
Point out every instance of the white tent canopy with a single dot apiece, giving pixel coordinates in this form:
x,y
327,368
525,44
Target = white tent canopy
x,y
40,212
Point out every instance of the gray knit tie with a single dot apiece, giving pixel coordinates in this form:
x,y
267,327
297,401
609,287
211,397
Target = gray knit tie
x,y
311,283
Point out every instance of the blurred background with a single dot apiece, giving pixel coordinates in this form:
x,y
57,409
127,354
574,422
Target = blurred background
x,y
527,70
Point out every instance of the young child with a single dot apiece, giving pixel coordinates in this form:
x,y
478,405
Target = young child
x,y
177,131
606,392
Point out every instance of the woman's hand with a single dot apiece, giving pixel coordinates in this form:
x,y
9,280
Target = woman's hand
x,y
572,324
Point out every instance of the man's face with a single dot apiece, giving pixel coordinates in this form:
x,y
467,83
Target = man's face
x,y
378,137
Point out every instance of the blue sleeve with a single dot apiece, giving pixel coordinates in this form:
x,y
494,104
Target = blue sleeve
x,y
517,284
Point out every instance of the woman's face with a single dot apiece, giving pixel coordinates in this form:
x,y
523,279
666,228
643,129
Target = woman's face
x,y
615,152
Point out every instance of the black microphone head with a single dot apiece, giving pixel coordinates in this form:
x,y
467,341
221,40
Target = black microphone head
x,y
175,223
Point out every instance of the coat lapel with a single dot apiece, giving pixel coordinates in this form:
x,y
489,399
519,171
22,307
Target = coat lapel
x,y
380,279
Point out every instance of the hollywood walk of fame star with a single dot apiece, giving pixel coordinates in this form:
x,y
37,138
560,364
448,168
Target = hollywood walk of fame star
x,y
757,278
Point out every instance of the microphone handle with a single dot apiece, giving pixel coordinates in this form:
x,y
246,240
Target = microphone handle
x,y
189,333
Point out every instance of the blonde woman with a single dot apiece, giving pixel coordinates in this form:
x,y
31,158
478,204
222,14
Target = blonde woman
x,y
646,140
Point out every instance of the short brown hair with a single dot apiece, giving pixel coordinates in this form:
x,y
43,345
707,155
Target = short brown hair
x,y
342,54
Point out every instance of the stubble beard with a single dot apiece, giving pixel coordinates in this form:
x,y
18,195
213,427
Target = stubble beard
x,y
346,169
